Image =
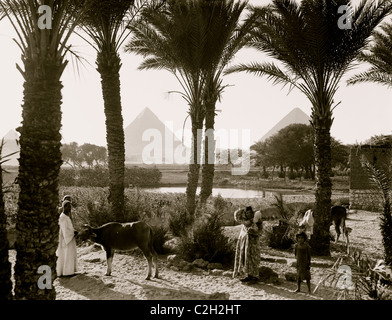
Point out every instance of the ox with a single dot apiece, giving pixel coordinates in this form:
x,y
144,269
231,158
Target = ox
x,y
123,236
339,215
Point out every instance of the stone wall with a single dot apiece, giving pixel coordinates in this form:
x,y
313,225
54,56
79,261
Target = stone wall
x,y
364,194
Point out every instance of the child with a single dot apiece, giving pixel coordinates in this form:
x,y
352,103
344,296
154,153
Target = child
x,y
302,254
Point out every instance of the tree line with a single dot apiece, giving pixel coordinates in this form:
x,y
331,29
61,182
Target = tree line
x,y
292,148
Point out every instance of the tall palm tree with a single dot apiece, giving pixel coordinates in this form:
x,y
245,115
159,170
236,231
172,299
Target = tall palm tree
x,y
172,39
379,56
194,40
314,52
226,35
106,25
43,57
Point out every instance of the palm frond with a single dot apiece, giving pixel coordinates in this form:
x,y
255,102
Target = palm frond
x,y
372,75
379,177
39,42
270,70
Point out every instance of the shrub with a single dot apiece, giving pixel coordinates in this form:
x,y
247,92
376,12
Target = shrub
x,y
67,177
98,212
179,221
145,177
99,177
96,177
206,240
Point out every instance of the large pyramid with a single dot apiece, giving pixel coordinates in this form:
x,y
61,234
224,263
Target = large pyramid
x,y
149,140
294,116
11,146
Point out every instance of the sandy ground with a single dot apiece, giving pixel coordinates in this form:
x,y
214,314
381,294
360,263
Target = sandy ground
x,y
128,272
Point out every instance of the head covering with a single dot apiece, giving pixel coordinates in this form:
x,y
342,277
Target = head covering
x,y
66,197
301,234
257,217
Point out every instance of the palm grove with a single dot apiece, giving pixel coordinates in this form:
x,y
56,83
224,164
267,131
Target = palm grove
x,y
195,40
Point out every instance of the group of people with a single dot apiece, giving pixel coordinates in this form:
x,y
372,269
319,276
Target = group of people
x,y
248,250
66,250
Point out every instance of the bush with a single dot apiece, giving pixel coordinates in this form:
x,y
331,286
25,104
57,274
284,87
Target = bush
x,y
145,177
96,177
67,177
206,240
99,177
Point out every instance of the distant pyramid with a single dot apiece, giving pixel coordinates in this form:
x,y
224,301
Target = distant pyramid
x,y
294,116
11,145
157,136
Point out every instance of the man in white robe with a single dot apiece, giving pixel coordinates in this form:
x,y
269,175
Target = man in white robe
x,y
66,251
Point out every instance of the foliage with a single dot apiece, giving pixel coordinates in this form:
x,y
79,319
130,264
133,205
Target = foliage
x,y
356,276
99,177
289,215
193,40
207,241
179,219
379,56
380,141
314,52
380,174
141,177
292,147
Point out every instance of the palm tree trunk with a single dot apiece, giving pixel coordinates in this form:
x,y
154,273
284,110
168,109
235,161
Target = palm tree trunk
x,y
320,240
194,169
386,231
39,167
208,168
5,265
109,64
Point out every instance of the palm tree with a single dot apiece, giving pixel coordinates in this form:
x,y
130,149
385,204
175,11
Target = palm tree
x,y
315,53
43,57
172,39
194,40
379,56
226,35
106,26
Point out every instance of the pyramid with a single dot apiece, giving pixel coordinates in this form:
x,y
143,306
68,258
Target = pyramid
x,y
11,145
158,144
294,116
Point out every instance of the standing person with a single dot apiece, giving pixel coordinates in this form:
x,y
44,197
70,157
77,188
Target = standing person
x,y
247,255
302,254
66,251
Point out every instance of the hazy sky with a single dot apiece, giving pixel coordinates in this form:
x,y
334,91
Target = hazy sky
x,y
249,102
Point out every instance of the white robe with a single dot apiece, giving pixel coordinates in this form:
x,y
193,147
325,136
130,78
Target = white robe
x,y
66,251
308,223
